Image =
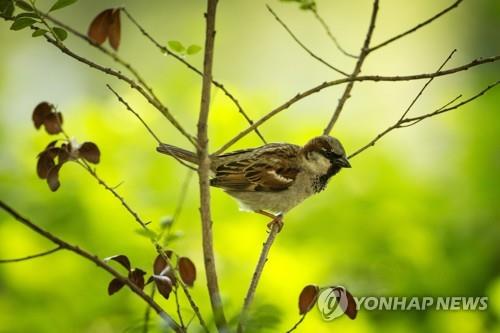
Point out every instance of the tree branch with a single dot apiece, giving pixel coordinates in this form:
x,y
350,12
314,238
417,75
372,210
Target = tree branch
x,y
305,48
417,27
327,84
100,263
204,170
357,69
165,50
33,256
275,229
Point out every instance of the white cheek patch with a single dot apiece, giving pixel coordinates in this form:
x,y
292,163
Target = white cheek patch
x,y
317,163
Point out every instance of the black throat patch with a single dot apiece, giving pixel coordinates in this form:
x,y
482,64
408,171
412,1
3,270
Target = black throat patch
x,y
320,182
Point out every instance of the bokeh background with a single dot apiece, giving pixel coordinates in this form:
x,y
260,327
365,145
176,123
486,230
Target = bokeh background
x,y
418,214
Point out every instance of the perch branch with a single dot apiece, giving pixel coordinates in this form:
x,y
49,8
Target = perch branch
x,y
33,256
165,50
275,228
100,263
357,69
327,84
417,27
304,47
204,170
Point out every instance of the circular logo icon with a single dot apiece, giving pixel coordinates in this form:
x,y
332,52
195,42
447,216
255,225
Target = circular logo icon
x,y
332,302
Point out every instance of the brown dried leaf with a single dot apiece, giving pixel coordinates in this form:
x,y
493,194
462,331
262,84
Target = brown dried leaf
x,y
90,152
121,259
137,277
164,285
53,178
114,32
187,270
160,264
307,298
99,27
44,164
114,286
351,310
53,122
40,112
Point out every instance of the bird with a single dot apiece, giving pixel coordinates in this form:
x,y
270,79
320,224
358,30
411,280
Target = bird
x,y
273,178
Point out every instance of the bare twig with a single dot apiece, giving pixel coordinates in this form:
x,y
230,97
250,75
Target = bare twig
x,y
100,263
204,170
275,228
178,308
160,107
294,327
327,84
330,34
417,27
163,49
407,122
147,313
33,256
304,47
129,108
357,69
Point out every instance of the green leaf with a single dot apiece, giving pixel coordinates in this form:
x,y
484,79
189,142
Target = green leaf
x,y
147,233
24,5
61,4
31,15
39,32
61,33
193,49
22,23
6,8
176,46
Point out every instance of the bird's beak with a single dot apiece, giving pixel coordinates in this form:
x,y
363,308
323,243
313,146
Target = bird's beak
x,y
343,162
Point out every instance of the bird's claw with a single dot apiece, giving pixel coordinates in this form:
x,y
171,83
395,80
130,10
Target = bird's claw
x,y
278,221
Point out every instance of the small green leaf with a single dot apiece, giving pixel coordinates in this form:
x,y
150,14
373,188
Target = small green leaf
x,y
6,8
147,233
61,4
193,49
61,33
31,15
24,5
176,46
39,32
166,222
22,23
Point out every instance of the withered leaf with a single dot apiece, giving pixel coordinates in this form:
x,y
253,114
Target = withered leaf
x,y
99,27
90,152
307,298
351,310
114,286
164,285
121,259
187,270
160,265
40,112
53,178
137,277
44,164
114,32
53,122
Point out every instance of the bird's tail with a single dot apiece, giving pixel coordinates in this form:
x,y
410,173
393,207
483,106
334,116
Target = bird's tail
x,y
177,152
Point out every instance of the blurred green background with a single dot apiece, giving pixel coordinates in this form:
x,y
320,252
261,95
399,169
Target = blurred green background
x,y
418,214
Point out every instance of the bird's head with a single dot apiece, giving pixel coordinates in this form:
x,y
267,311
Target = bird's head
x,y
325,154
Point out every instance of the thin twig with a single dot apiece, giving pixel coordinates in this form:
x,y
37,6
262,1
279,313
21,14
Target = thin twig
x,y
294,327
33,256
304,47
204,170
327,84
160,107
417,27
407,122
163,49
178,307
100,263
147,313
275,228
365,49
129,108
330,34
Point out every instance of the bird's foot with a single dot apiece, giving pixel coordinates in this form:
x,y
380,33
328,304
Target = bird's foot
x,y
278,221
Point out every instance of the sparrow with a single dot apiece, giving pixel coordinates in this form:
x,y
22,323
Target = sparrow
x,y
274,178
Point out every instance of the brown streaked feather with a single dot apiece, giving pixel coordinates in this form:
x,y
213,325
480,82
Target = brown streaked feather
x,y
270,168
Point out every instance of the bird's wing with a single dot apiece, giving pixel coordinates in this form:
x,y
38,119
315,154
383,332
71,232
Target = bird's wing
x,y
270,168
